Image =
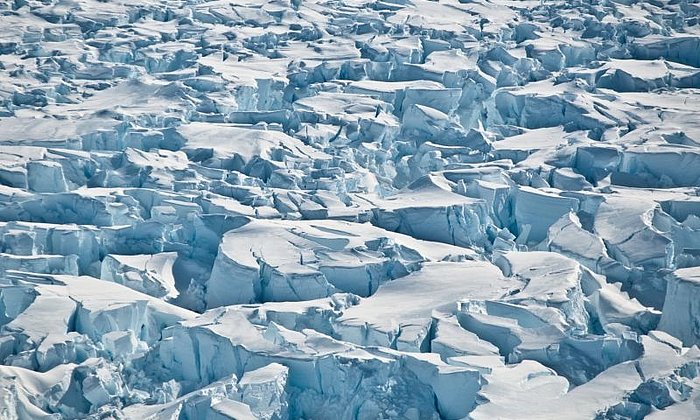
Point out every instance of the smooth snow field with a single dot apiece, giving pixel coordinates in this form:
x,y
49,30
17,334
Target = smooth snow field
x,y
330,210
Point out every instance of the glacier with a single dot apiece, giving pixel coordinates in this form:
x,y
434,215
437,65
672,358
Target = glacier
x,y
386,209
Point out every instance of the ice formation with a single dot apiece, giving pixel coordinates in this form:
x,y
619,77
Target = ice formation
x,y
349,210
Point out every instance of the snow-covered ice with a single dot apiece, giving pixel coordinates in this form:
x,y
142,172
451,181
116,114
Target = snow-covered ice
x,y
273,209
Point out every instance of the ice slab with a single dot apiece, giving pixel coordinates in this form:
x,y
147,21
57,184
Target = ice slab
x,y
429,210
679,311
277,261
399,315
149,274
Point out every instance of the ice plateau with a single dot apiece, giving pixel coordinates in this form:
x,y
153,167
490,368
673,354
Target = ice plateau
x,y
320,209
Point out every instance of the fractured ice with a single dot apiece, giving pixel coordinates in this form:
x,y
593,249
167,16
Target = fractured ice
x,y
349,210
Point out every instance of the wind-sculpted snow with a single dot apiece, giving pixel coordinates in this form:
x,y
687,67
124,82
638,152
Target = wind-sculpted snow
x,y
349,210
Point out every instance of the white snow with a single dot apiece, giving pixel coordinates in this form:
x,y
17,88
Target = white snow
x,y
349,210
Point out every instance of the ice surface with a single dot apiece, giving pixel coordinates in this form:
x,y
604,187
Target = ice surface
x,y
386,319
349,210
301,260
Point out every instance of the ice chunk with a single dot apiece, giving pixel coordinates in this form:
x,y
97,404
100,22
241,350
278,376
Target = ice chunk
x,y
663,165
100,383
550,280
535,211
451,341
519,383
317,314
230,409
216,400
677,49
45,177
625,225
45,315
263,390
31,394
518,147
429,210
49,264
598,161
680,311
52,132
539,333
308,260
120,343
404,94
92,307
608,392
149,274
399,315
568,237
322,369
245,149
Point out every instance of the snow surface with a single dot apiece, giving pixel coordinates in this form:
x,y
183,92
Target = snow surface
x,y
281,209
